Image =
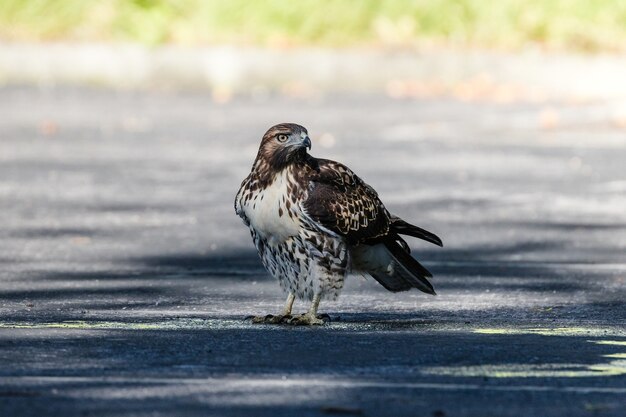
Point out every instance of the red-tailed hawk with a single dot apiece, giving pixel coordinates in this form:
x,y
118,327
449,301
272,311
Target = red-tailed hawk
x,y
313,221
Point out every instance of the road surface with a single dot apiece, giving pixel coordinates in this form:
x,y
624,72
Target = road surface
x,y
125,275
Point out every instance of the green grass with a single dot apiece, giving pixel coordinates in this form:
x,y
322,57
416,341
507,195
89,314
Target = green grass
x,y
589,25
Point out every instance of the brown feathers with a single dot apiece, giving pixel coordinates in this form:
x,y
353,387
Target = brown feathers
x,y
273,153
343,203
313,220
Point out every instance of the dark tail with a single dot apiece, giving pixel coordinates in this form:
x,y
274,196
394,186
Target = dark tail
x,y
404,272
400,226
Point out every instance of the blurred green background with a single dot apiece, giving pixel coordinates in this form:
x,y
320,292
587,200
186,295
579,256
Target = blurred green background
x,y
572,25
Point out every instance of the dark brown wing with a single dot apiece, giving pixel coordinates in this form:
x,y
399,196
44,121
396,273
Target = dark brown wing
x,y
341,202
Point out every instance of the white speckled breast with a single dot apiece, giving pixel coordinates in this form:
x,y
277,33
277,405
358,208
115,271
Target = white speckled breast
x,y
268,214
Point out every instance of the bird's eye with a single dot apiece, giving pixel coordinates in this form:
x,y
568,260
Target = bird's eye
x,y
282,138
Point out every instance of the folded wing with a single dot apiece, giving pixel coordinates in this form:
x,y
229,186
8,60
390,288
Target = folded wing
x,y
339,201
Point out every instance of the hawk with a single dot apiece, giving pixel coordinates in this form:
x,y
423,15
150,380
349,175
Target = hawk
x,y
314,220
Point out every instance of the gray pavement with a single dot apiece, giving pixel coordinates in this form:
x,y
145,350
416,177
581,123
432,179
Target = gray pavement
x,y
125,275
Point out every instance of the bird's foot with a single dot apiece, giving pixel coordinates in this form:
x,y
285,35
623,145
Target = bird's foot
x,y
308,319
271,319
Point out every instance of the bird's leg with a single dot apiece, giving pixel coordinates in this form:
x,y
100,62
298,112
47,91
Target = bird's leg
x,y
310,317
289,304
315,305
275,319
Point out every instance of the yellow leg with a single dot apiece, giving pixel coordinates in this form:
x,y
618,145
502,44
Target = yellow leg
x,y
290,299
315,305
309,318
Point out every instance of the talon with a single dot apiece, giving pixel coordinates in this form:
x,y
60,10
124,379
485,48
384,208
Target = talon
x,y
275,319
268,319
258,319
324,317
305,320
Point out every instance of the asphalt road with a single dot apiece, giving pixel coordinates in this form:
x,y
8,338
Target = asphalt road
x,y
125,276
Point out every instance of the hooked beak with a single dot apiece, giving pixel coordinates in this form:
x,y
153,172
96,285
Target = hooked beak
x,y
307,143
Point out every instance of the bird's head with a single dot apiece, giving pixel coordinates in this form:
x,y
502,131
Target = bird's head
x,y
284,144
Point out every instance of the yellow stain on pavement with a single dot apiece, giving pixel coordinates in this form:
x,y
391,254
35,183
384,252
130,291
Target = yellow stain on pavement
x,y
546,370
609,342
552,331
115,325
533,371
616,355
80,324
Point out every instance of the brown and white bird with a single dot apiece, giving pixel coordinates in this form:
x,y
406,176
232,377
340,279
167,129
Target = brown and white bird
x,y
313,221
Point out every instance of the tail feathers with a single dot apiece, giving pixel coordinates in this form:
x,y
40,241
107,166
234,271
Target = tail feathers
x,y
403,243
393,282
404,272
400,226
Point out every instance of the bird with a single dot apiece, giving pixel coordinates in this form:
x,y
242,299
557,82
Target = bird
x,y
314,221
